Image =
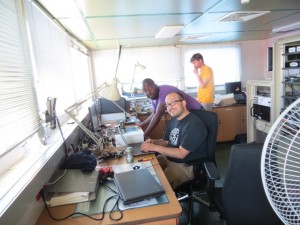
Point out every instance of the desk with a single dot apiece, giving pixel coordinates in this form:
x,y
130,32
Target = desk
x,y
163,214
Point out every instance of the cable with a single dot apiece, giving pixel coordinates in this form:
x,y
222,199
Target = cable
x,y
120,48
86,215
64,140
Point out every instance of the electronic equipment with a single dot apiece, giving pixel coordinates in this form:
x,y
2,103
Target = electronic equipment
x,y
233,87
137,185
108,106
51,112
94,118
262,100
240,98
261,112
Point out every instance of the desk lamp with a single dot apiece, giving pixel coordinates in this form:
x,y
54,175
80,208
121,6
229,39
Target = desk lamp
x,y
108,91
140,67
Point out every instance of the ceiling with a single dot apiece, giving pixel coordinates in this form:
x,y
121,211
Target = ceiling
x,y
108,24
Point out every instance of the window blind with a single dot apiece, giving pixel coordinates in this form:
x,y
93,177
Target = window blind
x,y
18,106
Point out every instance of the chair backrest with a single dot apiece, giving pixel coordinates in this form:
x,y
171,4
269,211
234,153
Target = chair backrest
x,y
210,119
244,199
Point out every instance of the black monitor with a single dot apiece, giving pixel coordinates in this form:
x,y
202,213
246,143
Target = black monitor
x,y
108,106
233,87
94,118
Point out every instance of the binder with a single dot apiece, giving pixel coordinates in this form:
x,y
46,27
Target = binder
x,y
73,187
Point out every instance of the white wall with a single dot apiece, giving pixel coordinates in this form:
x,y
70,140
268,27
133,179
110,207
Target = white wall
x,y
164,63
254,61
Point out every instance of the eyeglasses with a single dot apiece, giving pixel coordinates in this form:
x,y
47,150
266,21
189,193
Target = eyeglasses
x,y
172,103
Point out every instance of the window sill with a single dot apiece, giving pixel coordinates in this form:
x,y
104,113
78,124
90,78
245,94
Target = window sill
x,y
14,180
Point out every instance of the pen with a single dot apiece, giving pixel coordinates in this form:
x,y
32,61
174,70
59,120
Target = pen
x,y
143,160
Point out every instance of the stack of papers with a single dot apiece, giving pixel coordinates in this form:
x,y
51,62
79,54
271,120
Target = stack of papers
x,y
74,186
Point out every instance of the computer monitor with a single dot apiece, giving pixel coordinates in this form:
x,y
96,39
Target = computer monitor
x,y
233,87
108,106
94,118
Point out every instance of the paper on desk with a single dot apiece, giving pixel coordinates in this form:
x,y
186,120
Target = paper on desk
x,y
143,203
129,166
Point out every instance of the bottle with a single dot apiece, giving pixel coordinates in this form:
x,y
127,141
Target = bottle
x,y
129,155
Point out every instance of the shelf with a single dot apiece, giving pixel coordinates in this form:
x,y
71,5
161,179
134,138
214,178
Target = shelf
x,y
293,97
291,82
290,73
291,53
288,68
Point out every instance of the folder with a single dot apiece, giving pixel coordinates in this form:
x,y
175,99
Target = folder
x,y
74,186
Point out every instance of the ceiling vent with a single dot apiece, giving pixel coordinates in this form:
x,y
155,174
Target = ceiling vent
x,y
241,16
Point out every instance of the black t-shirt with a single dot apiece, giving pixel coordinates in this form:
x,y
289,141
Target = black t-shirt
x,y
189,133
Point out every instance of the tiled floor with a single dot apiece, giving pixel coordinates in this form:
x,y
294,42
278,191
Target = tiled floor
x,y
201,214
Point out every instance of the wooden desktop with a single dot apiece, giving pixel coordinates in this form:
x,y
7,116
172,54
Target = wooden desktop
x,y
162,214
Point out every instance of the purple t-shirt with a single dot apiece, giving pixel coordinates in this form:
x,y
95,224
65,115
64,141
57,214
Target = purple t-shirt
x,y
164,90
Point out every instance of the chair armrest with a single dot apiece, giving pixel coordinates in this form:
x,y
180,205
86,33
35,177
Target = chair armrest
x,y
212,171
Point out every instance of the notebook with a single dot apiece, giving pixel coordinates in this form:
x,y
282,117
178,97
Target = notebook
x,y
73,181
137,185
73,186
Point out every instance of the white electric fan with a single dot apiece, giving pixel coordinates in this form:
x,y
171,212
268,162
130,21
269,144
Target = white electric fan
x,y
280,165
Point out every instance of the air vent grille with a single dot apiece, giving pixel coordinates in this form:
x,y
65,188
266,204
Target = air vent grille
x,y
241,16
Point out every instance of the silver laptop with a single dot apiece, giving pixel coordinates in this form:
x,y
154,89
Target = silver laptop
x,y
137,185
136,149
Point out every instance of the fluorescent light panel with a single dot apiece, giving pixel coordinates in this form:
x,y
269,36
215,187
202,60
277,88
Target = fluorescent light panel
x,y
195,38
168,31
290,27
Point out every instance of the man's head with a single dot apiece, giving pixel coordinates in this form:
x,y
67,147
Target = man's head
x,y
197,60
176,105
150,88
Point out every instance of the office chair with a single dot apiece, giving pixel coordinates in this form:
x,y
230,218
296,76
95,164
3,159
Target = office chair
x,y
242,196
187,190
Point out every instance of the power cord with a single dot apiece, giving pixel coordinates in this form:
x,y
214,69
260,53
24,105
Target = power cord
x,y
62,136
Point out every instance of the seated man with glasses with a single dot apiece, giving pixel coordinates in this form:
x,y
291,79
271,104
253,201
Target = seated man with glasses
x,y
157,94
184,141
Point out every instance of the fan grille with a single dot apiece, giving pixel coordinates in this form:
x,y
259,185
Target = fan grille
x,y
281,165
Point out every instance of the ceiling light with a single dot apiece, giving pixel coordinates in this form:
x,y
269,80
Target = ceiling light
x,y
290,27
195,38
241,16
245,1
168,31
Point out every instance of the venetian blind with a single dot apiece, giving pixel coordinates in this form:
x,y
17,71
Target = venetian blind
x,y
18,106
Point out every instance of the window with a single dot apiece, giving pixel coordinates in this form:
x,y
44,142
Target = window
x,y
19,113
224,60
162,65
36,63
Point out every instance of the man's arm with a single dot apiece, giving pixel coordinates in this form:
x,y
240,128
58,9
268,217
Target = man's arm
x,y
146,121
155,119
179,153
202,82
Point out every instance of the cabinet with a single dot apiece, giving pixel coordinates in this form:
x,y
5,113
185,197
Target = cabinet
x,y
291,74
232,120
159,130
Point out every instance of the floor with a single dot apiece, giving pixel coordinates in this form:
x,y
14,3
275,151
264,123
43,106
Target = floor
x,y
201,214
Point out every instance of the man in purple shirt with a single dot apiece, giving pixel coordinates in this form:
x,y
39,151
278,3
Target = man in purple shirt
x,y
157,94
